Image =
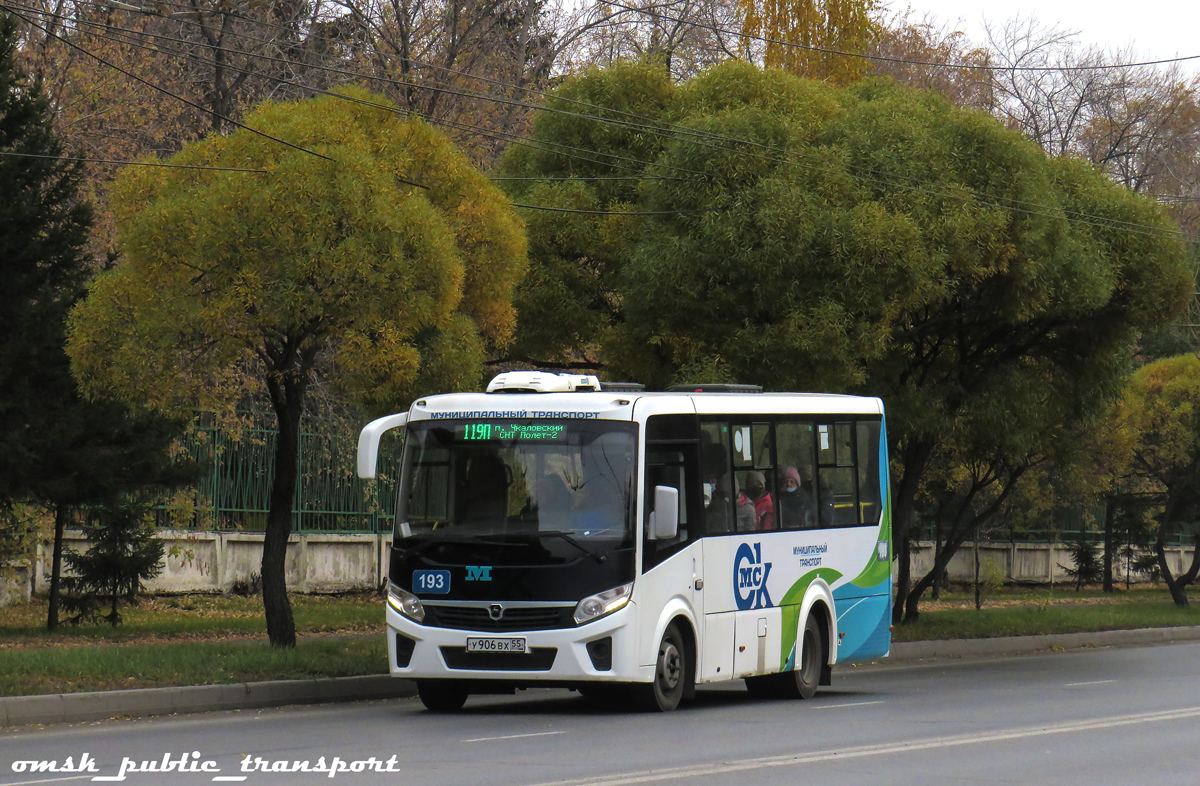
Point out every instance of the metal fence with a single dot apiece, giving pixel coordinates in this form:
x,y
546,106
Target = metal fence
x,y
330,497
1064,527
235,491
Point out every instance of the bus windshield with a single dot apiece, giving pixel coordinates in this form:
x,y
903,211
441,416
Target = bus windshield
x,y
490,479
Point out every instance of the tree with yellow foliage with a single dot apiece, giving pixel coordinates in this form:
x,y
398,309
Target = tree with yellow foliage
x,y
804,37
385,258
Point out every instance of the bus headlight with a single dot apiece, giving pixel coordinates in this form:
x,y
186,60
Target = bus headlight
x,y
406,603
602,603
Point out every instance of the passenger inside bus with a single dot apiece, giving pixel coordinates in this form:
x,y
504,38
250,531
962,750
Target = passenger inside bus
x,y
485,498
759,499
598,505
816,495
796,508
718,501
552,501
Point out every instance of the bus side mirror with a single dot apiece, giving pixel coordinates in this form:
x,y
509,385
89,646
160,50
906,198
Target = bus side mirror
x,y
368,442
664,521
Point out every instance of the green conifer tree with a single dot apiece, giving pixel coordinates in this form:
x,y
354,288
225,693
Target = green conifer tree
x,y
57,449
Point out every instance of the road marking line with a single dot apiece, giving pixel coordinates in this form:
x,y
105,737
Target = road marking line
x,y
515,736
851,704
1094,682
1003,735
49,780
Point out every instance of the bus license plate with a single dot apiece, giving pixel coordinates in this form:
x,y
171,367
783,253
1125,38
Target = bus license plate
x,y
496,645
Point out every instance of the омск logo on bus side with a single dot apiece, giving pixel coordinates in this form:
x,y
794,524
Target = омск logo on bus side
x,y
750,577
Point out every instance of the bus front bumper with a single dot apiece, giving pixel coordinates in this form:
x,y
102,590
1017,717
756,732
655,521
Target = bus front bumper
x,y
561,656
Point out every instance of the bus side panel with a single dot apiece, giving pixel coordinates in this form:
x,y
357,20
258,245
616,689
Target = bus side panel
x,y
865,603
757,636
670,585
717,663
777,570
863,627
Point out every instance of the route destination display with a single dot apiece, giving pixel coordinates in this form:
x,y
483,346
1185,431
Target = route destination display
x,y
501,431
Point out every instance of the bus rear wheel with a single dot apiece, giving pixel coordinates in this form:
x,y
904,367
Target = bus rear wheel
x,y
802,683
670,674
442,695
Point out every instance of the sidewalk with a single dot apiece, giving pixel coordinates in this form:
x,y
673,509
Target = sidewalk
x,y
78,707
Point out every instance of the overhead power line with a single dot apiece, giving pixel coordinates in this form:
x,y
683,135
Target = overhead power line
x,y
135,163
881,58
655,126
542,145
163,90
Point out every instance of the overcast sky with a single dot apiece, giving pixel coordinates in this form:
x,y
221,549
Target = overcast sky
x,y
1154,28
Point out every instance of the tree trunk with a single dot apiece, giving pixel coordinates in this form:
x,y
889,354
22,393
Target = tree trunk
x,y
1177,592
288,400
978,592
912,602
60,528
937,555
1110,514
1165,522
914,459
1194,569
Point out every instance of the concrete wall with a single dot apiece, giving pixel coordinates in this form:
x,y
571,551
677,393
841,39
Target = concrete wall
x,y
214,561
1025,562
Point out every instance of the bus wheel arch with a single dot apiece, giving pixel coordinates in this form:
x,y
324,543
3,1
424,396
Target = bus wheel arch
x,y
688,631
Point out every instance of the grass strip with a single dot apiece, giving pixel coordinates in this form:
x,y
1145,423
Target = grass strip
x,y
206,640
40,670
193,616
1043,612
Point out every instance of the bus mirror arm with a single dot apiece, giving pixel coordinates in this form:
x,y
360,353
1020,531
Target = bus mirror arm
x,y
664,521
368,442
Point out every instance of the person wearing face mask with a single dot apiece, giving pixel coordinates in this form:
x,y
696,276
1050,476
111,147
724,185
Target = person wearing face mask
x,y
757,496
797,508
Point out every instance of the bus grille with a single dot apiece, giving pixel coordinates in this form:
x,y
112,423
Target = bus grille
x,y
514,619
539,659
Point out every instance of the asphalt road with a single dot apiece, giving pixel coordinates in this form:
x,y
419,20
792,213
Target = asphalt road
x,y
1104,716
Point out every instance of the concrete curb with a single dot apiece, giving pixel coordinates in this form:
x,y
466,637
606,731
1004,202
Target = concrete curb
x,y
102,705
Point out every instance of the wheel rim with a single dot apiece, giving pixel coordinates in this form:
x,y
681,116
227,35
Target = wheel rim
x,y
670,666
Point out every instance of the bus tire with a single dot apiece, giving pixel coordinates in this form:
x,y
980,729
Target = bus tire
x,y
803,681
602,694
442,695
670,674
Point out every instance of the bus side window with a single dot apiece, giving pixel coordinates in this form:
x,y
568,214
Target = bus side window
x,y
798,489
666,468
869,471
428,502
714,474
670,467
835,451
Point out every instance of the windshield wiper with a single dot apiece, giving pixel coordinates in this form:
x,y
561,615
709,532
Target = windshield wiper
x,y
601,556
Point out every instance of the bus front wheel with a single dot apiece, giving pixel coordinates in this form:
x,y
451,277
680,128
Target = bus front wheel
x,y
802,683
442,695
670,674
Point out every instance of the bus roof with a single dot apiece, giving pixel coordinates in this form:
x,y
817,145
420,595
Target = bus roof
x,y
622,405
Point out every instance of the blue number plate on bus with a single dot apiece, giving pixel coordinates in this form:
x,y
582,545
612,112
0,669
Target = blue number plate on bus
x,y
431,582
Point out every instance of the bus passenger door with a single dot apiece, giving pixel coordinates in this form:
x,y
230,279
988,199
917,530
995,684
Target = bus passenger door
x,y
673,569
